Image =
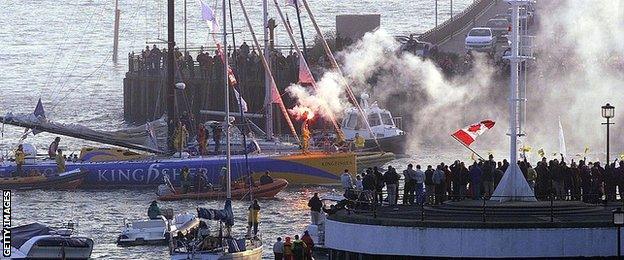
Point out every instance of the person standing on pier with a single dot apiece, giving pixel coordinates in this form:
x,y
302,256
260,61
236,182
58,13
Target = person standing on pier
x,y
346,181
379,180
309,242
53,147
278,249
419,180
60,162
408,186
20,159
438,180
475,180
155,56
391,177
315,205
430,188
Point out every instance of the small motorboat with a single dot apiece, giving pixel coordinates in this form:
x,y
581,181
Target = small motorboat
x,y
269,190
152,231
66,180
37,241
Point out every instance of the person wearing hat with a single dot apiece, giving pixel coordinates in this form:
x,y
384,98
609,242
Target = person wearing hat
x,y
20,159
153,212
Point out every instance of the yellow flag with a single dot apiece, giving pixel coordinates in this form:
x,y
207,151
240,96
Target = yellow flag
x,y
622,157
586,149
526,149
540,152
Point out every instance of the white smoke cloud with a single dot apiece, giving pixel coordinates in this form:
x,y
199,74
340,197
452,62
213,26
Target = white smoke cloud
x,y
326,99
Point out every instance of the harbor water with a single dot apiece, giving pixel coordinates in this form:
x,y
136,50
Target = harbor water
x,y
60,51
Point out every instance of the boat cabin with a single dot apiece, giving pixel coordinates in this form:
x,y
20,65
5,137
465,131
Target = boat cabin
x,y
380,120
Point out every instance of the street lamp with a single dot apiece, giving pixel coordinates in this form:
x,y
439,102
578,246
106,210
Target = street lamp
x,y
608,112
618,221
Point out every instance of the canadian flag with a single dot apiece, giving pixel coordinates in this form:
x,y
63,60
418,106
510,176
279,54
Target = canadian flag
x,y
469,134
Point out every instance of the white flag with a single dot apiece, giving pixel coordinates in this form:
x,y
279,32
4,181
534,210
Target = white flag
x,y
562,146
292,3
243,103
208,15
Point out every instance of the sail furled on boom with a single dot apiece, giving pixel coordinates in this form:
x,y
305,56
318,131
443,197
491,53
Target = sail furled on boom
x,y
150,137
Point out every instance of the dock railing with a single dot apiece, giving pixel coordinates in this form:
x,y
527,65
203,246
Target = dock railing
x,y
366,203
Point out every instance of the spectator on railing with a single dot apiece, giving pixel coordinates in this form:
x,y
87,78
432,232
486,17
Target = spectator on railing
x,y
346,181
391,178
429,186
455,180
155,57
379,181
419,180
438,180
189,63
475,180
408,184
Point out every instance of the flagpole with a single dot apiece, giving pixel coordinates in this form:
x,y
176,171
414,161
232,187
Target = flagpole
x,y
473,151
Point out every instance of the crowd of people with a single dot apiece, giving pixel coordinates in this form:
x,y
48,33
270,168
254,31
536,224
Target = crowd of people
x,y
554,179
297,249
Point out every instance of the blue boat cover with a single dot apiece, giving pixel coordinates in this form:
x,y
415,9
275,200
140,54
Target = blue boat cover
x,y
224,215
21,234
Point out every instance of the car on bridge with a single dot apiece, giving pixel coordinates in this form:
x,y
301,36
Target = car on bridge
x,y
499,26
481,39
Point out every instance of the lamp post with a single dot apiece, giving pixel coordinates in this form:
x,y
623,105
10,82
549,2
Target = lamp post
x,y
618,221
608,112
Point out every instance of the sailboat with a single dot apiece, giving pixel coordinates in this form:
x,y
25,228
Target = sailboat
x,y
204,245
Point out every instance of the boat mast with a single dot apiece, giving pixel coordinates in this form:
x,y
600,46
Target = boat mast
x,y
170,85
305,51
116,35
228,195
268,100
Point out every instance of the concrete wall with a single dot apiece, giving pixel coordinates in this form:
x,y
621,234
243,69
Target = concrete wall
x,y
457,242
354,26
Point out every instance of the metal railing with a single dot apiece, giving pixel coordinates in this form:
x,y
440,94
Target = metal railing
x,y
367,203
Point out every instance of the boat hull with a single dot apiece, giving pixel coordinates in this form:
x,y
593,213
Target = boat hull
x,y
252,254
396,144
67,180
315,168
259,191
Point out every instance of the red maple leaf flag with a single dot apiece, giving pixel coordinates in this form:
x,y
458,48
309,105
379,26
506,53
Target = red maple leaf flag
x,y
469,134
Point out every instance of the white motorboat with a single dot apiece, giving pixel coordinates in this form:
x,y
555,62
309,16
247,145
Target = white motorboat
x,y
385,128
37,241
152,231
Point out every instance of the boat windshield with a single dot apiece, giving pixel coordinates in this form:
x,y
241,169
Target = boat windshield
x,y
387,119
374,120
354,121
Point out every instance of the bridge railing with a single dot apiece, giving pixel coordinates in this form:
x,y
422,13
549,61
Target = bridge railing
x,y
450,27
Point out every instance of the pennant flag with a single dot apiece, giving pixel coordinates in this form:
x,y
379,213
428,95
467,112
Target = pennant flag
x,y
275,96
541,152
232,81
526,149
243,103
562,146
39,113
209,16
469,134
305,75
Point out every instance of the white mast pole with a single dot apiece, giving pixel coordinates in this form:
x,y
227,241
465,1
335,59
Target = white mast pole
x,y
227,107
268,102
513,88
116,35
